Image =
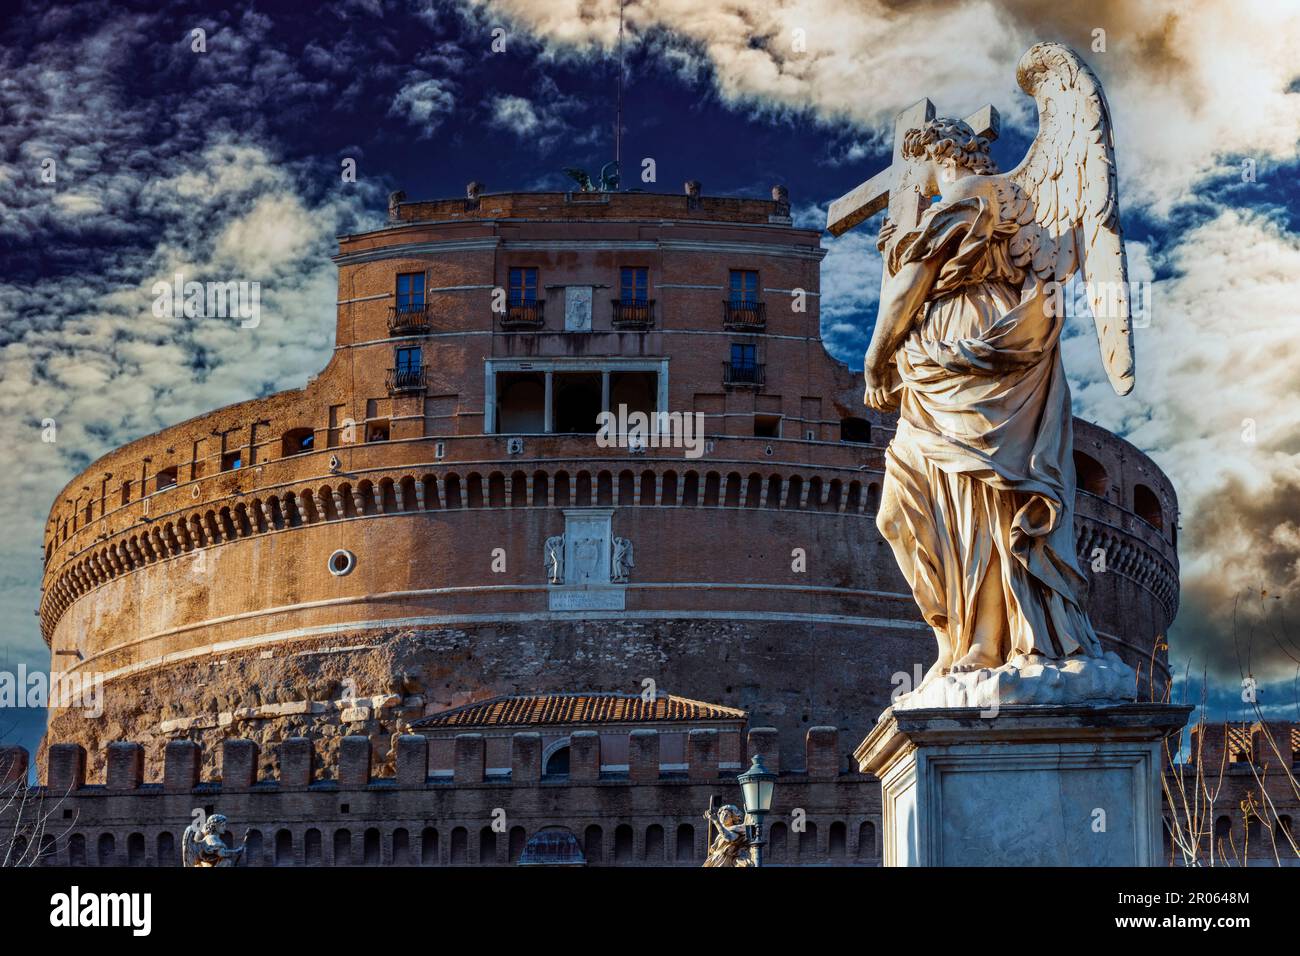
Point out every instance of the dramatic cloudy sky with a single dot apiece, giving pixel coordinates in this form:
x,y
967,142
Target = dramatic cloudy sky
x,y
226,165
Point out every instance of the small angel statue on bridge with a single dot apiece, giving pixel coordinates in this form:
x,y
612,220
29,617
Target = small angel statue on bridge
x,y
202,846
731,846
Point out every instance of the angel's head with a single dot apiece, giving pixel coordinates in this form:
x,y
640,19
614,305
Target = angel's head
x,y
216,823
729,815
947,148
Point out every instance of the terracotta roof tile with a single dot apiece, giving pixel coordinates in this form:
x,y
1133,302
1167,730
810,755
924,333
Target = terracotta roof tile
x,y
530,710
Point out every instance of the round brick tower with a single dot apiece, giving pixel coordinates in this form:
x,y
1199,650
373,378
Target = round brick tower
x,y
435,520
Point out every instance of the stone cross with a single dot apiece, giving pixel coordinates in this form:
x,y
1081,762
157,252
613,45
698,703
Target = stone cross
x,y
905,205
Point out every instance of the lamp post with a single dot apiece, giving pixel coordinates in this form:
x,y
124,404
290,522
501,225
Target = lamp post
x,y
757,784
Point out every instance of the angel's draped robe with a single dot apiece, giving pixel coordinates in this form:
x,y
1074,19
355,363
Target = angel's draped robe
x,y
979,478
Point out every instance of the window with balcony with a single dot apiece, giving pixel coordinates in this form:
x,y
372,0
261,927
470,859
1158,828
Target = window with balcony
x,y
407,373
743,369
408,359
633,286
633,308
409,315
742,310
523,286
410,291
523,308
231,461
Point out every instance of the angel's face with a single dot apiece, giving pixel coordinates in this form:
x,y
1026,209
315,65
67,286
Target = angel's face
x,y
924,175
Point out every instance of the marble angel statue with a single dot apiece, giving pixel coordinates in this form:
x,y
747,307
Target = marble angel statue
x,y
202,846
731,844
978,496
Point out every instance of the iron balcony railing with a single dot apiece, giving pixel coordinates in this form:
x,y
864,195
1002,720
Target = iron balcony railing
x,y
733,374
408,319
406,379
634,313
744,316
524,315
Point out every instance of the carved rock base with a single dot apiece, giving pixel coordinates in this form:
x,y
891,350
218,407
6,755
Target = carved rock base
x,y
1033,786
1076,680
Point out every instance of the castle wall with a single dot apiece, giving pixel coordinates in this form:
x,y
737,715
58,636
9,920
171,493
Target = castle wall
x,y
343,813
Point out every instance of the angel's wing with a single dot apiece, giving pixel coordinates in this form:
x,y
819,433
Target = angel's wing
x,y
1069,178
189,851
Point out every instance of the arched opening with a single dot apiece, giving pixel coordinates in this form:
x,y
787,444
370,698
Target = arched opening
x,y
866,840
370,847
623,844
428,847
166,850
776,843
557,764
838,841
283,847
518,837
1090,474
592,841
311,847
873,498
654,843
342,847
135,849
1147,506
401,847
296,441
808,841
685,843
459,845
487,846
712,483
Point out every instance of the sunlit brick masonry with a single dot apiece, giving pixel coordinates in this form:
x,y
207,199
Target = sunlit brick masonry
x,y
317,591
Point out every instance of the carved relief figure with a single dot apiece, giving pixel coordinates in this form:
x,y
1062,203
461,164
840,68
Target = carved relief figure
x,y
554,554
623,562
979,489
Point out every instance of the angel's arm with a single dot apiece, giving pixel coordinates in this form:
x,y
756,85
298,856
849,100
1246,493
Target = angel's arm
x,y
901,298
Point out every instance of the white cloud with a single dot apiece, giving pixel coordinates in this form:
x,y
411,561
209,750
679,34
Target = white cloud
x,y
423,102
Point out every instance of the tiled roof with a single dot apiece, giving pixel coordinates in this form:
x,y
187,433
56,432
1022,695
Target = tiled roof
x,y
530,710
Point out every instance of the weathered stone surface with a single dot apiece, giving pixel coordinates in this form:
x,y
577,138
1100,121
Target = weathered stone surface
x,y
1033,786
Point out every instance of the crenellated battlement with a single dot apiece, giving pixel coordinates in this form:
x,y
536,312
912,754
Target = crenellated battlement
x,y
710,755
1243,745
309,814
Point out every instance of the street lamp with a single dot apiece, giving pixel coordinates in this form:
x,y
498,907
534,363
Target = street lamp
x,y
757,784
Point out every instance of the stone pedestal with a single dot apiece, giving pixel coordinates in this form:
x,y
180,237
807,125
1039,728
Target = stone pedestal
x,y
1034,785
